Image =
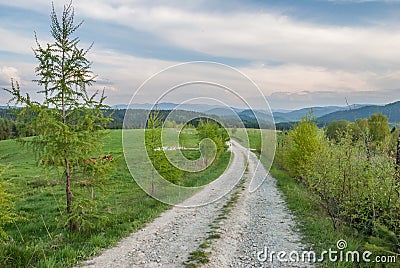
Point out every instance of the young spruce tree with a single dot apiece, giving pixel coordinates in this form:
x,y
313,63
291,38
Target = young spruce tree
x,y
67,124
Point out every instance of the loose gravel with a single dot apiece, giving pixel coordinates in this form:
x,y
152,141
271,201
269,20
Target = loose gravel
x,y
259,223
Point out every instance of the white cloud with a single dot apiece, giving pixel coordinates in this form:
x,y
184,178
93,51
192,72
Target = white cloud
x,y
286,85
313,58
251,35
296,78
299,81
256,36
12,41
8,72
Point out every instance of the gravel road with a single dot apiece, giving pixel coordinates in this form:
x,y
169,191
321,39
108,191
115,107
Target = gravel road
x,y
258,220
259,223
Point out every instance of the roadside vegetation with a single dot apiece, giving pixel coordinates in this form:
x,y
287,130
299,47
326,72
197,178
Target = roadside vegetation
x,y
342,182
66,126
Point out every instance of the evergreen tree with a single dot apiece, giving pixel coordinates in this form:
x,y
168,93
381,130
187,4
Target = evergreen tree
x,y
68,123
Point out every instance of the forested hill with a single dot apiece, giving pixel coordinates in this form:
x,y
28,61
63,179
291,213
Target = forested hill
x,y
138,117
6,113
247,117
391,110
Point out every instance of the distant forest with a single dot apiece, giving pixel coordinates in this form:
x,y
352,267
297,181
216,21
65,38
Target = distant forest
x,y
137,119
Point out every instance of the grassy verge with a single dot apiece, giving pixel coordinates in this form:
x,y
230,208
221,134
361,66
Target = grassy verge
x,y
250,138
314,223
41,239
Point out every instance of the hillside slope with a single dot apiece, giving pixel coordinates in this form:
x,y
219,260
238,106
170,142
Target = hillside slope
x,y
391,110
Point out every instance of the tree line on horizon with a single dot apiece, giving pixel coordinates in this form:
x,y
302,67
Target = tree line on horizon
x,y
10,128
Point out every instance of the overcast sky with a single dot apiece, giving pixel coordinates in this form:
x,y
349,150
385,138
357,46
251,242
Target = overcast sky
x,y
299,53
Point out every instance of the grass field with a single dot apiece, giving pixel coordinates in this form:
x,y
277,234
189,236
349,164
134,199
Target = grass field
x,y
40,239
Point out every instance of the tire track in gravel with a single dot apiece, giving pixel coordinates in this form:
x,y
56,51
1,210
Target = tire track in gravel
x,y
259,221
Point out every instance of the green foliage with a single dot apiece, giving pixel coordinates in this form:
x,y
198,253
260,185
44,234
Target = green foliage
x,y
189,137
10,129
378,127
156,154
360,130
255,139
119,208
389,145
314,222
67,123
206,176
353,188
373,133
354,178
7,128
336,129
374,129
209,129
303,146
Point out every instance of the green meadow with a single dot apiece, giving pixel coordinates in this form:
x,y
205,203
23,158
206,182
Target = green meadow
x,y
39,238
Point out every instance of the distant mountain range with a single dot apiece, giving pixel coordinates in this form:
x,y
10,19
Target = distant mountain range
x,y
296,115
244,114
227,113
391,110
201,108
324,115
